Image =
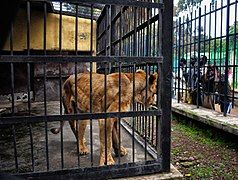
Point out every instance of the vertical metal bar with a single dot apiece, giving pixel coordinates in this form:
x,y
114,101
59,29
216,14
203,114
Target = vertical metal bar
x,y
15,147
198,68
44,33
146,105
234,60
105,109
210,19
29,113
11,38
166,74
182,57
76,30
191,84
133,123
12,70
91,87
29,83
220,68
226,101
119,119
60,89
76,79
133,93
215,36
179,56
28,27
45,104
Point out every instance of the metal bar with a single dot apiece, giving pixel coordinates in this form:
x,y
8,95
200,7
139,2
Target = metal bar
x,y
199,65
45,118
44,33
119,119
226,101
91,89
73,58
133,125
60,89
166,79
105,110
28,27
29,113
122,170
76,80
76,31
15,147
11,39
146,105
132,3
179,57
234,60
83,116
44,72
12,89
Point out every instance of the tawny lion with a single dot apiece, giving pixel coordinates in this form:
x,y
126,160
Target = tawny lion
x,y
112,105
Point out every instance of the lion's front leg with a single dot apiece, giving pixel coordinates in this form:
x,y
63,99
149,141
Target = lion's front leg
x,y
78,128
115,143
103,147
81,137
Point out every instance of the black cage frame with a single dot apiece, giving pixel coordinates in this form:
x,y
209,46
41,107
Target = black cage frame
x,y
119,49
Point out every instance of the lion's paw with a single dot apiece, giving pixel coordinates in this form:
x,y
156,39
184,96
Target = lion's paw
x,y
83,151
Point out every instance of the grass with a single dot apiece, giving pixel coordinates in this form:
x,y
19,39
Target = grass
x,y
210,138
204,135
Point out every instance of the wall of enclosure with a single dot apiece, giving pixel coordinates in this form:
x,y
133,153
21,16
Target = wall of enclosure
x,y
205,56
119,117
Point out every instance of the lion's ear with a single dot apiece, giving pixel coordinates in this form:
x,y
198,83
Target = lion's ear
x,y
153,78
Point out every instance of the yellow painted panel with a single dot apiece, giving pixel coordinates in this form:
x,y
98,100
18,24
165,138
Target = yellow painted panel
x,y
52,36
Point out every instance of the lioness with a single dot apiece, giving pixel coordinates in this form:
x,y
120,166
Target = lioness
x,y
112,105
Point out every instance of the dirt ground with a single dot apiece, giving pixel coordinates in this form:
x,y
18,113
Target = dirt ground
x,y
203,153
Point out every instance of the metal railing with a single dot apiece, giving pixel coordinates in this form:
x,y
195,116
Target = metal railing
x,y
208,33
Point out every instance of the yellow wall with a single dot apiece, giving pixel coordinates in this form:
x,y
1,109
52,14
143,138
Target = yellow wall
x,y
52,43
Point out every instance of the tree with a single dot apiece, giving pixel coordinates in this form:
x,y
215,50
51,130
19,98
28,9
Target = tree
x,y
233,37
187,5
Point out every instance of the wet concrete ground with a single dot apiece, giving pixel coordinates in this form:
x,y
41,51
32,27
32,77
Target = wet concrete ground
x,y
70,156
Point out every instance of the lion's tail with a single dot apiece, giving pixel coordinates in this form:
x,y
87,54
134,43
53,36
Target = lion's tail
x,y
67,94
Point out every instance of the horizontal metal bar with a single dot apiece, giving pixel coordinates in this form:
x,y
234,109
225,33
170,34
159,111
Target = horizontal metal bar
x,y
134,3
73,58
102,172
83,116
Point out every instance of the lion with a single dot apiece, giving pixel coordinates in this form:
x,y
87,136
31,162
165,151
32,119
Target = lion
x,y
82,105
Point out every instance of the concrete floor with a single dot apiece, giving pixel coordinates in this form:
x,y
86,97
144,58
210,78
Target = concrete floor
x,y
70,156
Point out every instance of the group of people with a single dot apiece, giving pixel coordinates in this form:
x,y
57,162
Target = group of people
x,y
198,83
